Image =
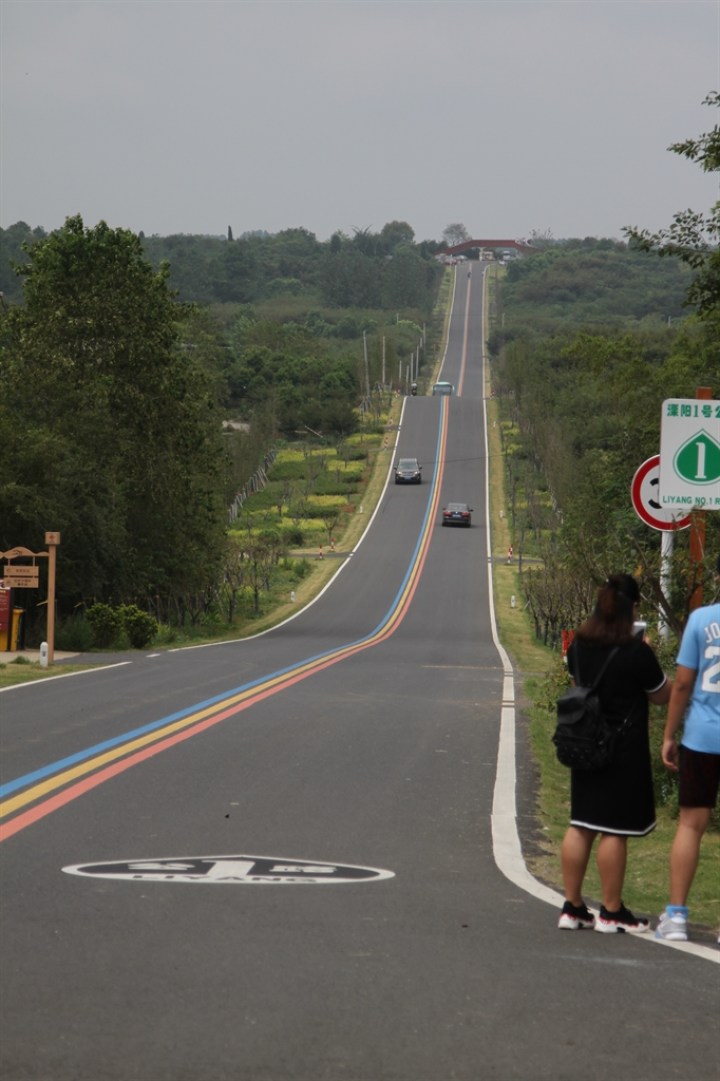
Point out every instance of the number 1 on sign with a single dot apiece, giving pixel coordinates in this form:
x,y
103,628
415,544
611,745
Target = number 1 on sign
x,y
700,474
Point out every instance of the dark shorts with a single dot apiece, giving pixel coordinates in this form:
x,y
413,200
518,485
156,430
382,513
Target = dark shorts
x,y
699,778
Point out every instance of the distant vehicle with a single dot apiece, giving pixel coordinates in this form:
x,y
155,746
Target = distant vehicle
x,y
407,471
457,514
443,388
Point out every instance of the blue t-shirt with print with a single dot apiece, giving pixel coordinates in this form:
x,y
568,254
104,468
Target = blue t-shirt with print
x,y
700,650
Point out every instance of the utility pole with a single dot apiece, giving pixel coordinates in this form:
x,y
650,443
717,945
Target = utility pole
x,y
367,369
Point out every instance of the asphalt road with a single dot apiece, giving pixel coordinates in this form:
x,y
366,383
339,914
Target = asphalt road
x,y
276,859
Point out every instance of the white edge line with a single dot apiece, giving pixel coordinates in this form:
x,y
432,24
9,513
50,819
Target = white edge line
x,y
507,850
506,841
64,675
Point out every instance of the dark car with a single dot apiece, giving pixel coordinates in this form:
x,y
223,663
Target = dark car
x,y
407,471
457,514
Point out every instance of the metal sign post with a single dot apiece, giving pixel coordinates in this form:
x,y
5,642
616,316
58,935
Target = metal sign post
x,y
644,492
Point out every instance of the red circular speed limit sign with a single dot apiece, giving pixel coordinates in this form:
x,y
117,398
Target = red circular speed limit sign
x,y
645,491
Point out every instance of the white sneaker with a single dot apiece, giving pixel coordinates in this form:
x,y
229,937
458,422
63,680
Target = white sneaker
x,y
672,928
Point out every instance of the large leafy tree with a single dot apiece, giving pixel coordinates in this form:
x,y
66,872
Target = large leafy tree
x,y
110,428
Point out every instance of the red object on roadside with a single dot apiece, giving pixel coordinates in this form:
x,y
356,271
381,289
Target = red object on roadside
x,y
567,637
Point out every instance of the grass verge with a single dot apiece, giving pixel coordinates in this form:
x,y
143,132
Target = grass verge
x,y
13,673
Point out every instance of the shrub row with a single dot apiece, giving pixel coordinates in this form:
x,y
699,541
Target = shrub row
x,y
110,625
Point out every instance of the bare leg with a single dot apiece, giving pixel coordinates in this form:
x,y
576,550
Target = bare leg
x,y
574,856
685,851
611,861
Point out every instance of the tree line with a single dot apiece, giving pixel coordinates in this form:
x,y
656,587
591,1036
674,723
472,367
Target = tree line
x,y
385,270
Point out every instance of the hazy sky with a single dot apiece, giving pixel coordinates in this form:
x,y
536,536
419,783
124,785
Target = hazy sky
x,y
189,116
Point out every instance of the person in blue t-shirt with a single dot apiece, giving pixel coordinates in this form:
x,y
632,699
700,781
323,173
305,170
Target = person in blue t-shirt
x,y
694,703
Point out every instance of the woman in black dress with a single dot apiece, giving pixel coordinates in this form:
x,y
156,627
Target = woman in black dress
x,y
615,802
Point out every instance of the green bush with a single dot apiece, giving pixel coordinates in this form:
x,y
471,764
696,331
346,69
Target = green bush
x,y
140,627
75,634
265,499
292,470
167,635
328,484
106,624
292,537
123,627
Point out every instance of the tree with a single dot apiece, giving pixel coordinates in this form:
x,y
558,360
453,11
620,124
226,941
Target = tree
x,y
408,280
455,233
396,232
693,237
351,280
117,437
12,241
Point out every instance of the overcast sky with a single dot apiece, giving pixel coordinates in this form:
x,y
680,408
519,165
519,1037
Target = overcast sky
x,y
510,116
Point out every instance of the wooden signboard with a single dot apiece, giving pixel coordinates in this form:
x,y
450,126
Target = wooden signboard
x,y
18,577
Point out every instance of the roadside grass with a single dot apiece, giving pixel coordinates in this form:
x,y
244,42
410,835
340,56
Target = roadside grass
x,y
22,670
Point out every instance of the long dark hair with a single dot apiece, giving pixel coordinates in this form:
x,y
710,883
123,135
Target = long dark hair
x,y
612,618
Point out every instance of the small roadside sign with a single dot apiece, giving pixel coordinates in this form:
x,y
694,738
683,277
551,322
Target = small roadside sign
x,y
19,577
645,495
690,455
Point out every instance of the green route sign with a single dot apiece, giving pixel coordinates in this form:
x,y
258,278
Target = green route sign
x,y
690,454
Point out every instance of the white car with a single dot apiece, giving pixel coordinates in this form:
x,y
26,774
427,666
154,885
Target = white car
x,y
442,388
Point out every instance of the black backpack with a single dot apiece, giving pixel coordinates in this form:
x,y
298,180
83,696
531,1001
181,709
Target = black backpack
x,y
584,739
